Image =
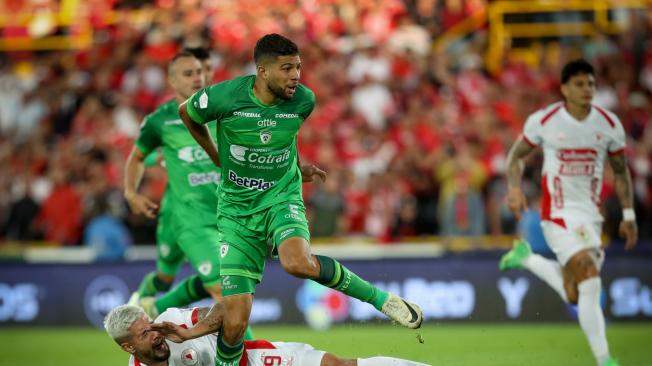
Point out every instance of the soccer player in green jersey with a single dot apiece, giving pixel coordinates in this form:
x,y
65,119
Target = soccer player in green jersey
x,y
182,230
169,255
260,200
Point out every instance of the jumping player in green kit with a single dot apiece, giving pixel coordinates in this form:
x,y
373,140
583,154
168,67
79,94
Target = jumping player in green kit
x,y
260,200
187,224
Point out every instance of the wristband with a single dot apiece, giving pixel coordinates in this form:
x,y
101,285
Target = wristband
x,y
629,214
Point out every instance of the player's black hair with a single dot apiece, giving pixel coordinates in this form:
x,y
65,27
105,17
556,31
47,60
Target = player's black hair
x,y
181,54
274,45
576,67
200,53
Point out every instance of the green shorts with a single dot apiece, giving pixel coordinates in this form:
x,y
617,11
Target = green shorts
x,y
200,244
245,240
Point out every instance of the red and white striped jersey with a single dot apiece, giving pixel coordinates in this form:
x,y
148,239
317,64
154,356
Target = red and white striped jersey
x,y
574,154
201,351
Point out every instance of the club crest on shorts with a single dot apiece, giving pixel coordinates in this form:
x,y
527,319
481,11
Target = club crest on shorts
x,y
265,136
224,249
189,357
164,249
205,268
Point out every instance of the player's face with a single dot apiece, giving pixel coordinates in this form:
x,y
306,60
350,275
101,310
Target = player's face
x,y
283,76
187,76
145,344
579,89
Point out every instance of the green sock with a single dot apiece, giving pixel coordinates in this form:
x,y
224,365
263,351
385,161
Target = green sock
x,y
249,334
151,284
187,291
226,354
334,275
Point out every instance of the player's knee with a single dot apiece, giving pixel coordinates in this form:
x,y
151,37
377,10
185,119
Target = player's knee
x,y
572,297
583,266
234,329
298,266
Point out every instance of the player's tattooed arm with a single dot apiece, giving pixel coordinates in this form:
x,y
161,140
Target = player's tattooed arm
x,y
515,198
202,312
519,150
623,183
210,321
622,180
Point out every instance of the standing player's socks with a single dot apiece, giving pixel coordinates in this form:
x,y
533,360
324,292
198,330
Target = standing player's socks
x,y
334,275
189,290
151,284
591,318
547,270
226,354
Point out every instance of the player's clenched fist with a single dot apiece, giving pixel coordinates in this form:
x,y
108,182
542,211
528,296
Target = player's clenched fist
x,y
141,205
516,201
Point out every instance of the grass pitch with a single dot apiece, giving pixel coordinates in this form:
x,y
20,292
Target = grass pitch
x,y
500,345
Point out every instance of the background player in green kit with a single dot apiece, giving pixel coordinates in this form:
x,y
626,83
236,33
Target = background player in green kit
x,y
260,199
169,254
192,180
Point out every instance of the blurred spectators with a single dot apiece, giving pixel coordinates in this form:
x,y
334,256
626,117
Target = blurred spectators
x,y
414,138
106,235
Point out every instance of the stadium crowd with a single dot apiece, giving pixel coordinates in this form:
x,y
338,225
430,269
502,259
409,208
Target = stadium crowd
x,y
414,138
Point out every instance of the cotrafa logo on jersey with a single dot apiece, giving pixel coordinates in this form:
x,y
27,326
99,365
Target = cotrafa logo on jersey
x,y
191,154
259,156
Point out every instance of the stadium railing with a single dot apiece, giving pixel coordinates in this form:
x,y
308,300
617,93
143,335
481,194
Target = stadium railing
x,y
533,21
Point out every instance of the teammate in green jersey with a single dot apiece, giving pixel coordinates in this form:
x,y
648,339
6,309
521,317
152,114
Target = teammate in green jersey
x,y
169,256
182,230
260,200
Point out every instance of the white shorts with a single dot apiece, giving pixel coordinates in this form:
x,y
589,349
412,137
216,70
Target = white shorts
x,y
565,242
299,354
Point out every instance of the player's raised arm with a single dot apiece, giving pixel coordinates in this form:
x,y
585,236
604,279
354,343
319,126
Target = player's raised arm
x,y
134,170
515,197
623,183
200,133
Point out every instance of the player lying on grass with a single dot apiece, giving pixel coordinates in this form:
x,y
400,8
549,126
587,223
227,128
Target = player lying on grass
x,y
193,331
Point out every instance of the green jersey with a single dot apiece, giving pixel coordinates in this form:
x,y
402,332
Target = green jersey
x,y
192,177
257,143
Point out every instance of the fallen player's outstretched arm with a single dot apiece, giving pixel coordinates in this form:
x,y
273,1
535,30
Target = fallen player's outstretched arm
x,y
210,322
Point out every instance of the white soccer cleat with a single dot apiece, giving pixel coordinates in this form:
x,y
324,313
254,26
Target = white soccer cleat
x,y
405,313
149,306
134,299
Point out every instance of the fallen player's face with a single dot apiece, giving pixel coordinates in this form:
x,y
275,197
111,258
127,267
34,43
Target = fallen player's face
x,y
579,89
284,76
149,344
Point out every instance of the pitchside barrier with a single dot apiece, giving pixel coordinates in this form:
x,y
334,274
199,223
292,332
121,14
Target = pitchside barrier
x,y
450,288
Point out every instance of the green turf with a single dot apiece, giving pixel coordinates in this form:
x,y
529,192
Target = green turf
x,y
444,344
